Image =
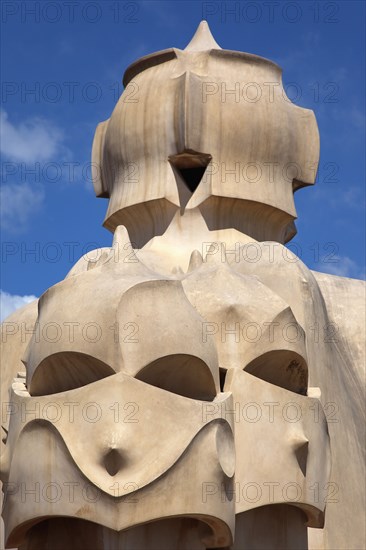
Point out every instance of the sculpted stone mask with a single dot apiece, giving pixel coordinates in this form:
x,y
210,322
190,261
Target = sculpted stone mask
x,y
140,413
167,399
206,116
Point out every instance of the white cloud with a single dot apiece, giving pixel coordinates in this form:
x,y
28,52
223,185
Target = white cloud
x,y
343,266
11,302
18,203
34,140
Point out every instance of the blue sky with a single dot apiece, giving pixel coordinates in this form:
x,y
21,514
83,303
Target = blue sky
x,y
62,65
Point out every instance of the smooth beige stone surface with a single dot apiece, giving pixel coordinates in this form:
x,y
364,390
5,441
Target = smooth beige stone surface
x,y
249,132
335,355
194,386
291,436
344,388
179,491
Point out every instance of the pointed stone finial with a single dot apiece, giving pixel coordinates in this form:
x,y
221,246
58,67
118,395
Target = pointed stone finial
x,y
122,248
195,261
202,40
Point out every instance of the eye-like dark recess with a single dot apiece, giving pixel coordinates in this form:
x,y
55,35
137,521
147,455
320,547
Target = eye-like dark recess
x,y
191,167
182,374
66,371
283,368
113,462
223,373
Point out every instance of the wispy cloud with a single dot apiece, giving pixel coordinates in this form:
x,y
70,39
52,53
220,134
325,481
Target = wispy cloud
x,y
18,203
350,116
35,139
343,266
27,144
351,198
11,302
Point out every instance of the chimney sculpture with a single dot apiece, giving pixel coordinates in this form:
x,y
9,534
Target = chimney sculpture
x,y
195,386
